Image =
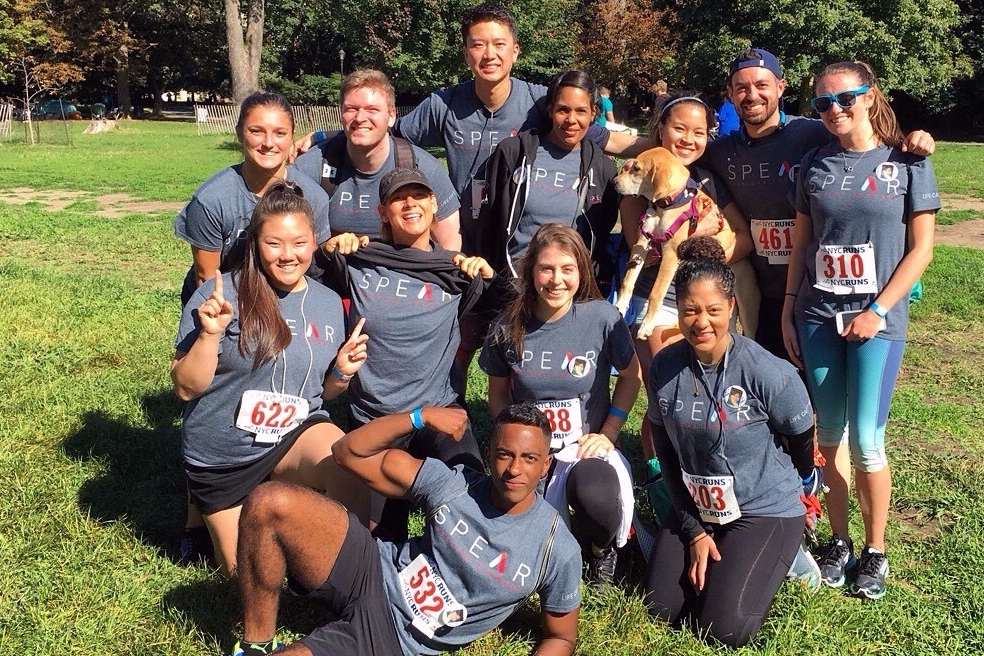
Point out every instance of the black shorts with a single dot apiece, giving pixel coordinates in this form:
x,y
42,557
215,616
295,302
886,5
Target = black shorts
x,y
355,592
218,488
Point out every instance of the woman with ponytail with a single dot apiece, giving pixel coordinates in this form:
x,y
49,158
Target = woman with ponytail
x,y
865,215
257,350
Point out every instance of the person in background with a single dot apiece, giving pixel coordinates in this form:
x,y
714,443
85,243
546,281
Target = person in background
x,y
606,111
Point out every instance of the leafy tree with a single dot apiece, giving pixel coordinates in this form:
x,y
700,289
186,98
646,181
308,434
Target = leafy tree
x,y
912,44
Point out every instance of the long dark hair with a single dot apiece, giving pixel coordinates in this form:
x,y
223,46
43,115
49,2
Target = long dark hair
x,y
881,115
519,312
263,331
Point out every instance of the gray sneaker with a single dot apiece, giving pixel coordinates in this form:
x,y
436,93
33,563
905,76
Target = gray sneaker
x,y
837,557
872,571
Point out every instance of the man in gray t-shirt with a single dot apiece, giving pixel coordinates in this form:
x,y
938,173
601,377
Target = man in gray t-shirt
x,y
353,172
489,543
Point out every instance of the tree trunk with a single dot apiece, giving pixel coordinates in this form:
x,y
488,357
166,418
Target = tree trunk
x,y
805,93
123,76
245,46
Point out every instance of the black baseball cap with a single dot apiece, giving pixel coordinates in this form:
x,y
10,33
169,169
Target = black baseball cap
x,y
399,178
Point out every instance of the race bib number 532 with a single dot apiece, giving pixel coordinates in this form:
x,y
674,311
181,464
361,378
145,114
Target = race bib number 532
x,y
431,603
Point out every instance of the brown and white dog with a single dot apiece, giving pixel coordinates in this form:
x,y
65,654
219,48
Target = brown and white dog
x,y
675,209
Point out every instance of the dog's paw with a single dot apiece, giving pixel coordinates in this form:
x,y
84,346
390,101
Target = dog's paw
x,y
646,329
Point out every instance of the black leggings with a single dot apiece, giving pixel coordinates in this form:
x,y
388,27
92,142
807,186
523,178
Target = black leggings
x,y
756,553
391,515
592,491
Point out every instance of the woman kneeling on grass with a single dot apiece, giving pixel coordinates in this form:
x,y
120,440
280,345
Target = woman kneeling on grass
x,y
555,346
256,351
865,215
720,407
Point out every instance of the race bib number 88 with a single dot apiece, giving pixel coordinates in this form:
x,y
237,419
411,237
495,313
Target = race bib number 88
x,y
565,421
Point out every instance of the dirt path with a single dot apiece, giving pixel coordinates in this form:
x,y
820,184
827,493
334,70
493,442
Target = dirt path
x,y
109,205
966,233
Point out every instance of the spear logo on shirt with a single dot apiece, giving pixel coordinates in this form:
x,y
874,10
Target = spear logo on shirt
x,y
312,330
425,292
869,184
499,562
567,360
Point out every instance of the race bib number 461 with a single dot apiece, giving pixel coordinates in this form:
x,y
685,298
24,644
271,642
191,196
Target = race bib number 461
x,y
773,239
846,269
431,603
714,497
270,415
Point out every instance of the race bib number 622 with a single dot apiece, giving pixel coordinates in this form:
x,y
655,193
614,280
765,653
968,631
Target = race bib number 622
x,y
270,415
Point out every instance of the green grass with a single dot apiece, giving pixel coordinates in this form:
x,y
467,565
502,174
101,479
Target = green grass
x,y
91,495
958,168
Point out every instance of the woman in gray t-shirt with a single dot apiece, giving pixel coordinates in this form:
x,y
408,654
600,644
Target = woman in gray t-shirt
x,y
865,214
256,351
555,346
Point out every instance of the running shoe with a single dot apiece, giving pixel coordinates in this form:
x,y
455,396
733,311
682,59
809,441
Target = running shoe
x,y
837,558
195,547
872,571
601,568
255,649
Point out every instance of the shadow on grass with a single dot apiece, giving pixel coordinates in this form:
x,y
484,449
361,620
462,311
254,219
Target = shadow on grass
x,y
141,481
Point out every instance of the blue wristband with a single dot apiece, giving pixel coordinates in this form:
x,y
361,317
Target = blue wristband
x,y
879,310
319,136
340,376
416,418
616,412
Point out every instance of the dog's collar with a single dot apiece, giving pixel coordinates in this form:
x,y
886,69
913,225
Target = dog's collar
x,y
692,214
682,198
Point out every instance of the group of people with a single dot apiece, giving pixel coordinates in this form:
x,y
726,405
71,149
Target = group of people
x,y
366,269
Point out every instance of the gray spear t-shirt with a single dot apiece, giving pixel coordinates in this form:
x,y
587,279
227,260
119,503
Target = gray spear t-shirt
x,y
413,336
488,560
553,194
762,398
570,358
457,120
354,205
216,217
761,176
209,436
856,213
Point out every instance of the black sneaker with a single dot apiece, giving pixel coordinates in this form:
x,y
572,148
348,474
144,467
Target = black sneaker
x,y
196,546
601,569
836,558
872,571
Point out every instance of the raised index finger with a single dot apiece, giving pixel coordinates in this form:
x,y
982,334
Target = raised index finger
x,y
357,331
218,282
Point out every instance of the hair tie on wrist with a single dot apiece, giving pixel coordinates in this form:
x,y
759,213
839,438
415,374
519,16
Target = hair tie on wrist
x,y
618,412
416,418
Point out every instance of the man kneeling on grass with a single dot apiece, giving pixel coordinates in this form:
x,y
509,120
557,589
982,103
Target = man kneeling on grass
x,y
489,543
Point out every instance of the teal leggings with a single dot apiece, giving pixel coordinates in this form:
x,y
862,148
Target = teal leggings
x,y
852,385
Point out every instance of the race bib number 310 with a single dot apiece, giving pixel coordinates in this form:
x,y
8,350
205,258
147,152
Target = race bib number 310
x,y
431,603
270,415
714,497
846,269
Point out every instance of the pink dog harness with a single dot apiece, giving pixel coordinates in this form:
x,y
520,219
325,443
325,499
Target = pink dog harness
x,y
656,241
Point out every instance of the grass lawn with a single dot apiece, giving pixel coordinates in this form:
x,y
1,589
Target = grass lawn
x,y
91,495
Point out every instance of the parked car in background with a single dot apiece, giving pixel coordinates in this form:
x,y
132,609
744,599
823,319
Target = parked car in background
x,y
57,108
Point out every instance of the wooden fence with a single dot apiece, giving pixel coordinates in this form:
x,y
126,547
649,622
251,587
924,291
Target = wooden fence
x,y
6,114
221,119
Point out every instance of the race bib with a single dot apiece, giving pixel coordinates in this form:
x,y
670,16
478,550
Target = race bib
x,y
773,239
565,421
270,415
846,269
714,497
431,604
477,196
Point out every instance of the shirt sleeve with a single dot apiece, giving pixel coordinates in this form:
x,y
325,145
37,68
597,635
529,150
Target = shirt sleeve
x,y
310,164
200,226
786,400
560,591
447,198
493,357
189,326
598,135
437,484
801,199
924,195
422,126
